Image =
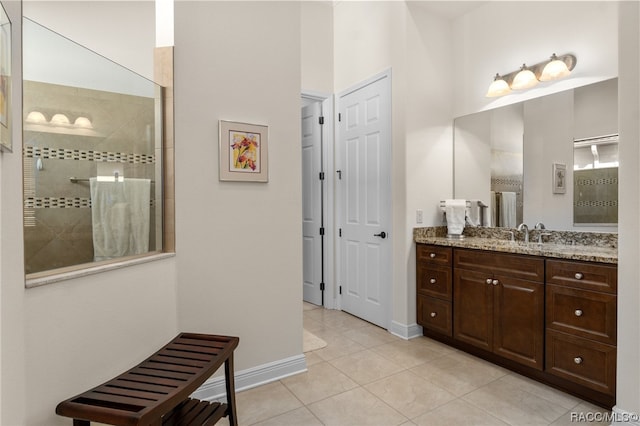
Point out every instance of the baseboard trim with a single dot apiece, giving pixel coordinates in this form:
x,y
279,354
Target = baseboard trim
x,y
214,388
404,331
621,417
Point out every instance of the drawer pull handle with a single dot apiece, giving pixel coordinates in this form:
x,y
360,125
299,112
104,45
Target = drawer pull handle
x,y
488,280
578,360
578,276
578,312
432,280
432,255
495,282
433,314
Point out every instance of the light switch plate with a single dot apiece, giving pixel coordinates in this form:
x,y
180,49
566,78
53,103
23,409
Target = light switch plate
x,y
418,216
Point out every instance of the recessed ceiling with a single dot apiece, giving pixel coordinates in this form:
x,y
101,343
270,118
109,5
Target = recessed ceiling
x,y
449,9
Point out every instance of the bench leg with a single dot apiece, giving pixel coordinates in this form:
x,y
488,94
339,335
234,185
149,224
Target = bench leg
x,y
231,391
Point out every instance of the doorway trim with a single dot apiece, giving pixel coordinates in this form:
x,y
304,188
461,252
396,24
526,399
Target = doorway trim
x,y
328,132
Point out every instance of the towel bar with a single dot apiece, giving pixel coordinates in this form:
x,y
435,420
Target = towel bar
x,y
74,179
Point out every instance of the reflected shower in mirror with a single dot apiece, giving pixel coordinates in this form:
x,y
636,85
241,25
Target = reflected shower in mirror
x,y
595,180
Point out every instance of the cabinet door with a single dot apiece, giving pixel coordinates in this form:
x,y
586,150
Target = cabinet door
x,y
473,308
519,321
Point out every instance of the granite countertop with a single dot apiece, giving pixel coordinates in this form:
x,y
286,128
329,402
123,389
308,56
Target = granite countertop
x,y
596,252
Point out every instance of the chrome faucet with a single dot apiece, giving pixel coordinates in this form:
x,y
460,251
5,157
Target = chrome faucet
x,y
539,225
523,226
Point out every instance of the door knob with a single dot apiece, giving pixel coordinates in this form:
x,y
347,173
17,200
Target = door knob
x,y
382,235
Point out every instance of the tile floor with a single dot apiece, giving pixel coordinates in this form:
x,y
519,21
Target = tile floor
x,y
367,376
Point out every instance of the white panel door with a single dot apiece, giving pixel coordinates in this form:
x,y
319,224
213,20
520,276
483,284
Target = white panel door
x,y
311,204
364,153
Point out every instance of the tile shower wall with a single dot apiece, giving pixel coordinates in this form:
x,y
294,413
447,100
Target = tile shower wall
x,y
595,196
58,230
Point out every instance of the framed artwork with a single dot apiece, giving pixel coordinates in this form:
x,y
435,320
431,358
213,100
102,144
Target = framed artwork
x,y
243,152
5,81
559,178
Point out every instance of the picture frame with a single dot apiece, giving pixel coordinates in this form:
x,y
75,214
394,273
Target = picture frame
x,y
243,151
6,143
559,178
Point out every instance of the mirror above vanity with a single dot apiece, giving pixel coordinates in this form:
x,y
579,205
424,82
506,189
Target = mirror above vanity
x,y
551,159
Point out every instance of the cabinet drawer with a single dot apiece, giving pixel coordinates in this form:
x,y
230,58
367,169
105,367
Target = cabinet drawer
x,y
585,275
437,255
582,361
511,265
434,314
582,313
434,281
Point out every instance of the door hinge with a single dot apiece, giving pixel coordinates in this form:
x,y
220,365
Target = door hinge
x,y
340,289
340,232
321,175
321,286
321,120
339,117
322,231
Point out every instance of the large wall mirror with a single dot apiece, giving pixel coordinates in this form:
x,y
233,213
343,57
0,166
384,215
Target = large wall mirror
x,y
551,159
92,157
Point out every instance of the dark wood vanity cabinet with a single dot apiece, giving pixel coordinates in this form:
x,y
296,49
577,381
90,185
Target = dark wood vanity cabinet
x,y
581,323
433,269
551,319
495,308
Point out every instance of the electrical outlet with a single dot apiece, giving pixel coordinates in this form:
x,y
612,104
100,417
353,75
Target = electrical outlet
x,y
418,216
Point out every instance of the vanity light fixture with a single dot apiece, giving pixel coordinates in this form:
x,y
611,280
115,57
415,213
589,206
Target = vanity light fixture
x,y
555,68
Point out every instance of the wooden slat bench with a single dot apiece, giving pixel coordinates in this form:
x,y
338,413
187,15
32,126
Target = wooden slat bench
x,y
156,391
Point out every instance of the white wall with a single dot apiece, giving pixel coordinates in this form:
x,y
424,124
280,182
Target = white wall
x,y
239,244
406,38
548,132
316,38
123,31
60,339
500,35
628,377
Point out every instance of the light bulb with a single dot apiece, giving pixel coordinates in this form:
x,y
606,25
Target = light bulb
x,y
498,87
555,69
525,79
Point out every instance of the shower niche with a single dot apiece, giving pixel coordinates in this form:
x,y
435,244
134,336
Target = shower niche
x,y
92,157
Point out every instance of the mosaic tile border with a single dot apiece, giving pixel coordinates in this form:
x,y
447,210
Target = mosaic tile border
x,y
79,154
62,203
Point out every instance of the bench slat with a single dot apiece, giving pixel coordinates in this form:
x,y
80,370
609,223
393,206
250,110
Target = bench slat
x,y
134,382
113,389
160,381
160,364
153,372
179,361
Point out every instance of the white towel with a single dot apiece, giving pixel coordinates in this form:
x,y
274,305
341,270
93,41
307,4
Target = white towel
x,y
508,210
455,211
473,213
120,217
